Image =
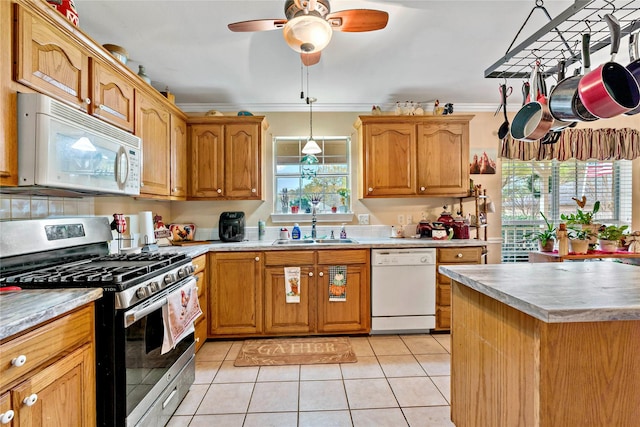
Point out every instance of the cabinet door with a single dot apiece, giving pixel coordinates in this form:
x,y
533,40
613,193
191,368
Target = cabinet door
x,y
242,161
281,317
443,159
64,393
389,159
5,407
49,62
112,97
354,313
178,157
152,125
8,108
235,293
206,145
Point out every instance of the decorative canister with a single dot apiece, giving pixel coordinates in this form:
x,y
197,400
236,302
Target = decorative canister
x,y
67,8
143,74
438,232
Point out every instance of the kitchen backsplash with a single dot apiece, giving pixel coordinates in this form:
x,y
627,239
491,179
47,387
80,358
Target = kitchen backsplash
x,y
32,207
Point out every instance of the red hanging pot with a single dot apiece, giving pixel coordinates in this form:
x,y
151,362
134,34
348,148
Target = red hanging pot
x,y
610,89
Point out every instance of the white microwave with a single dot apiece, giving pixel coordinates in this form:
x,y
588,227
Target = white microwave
x,y
61,148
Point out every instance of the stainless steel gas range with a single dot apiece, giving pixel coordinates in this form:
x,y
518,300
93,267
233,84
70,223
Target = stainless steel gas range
x,y
137,384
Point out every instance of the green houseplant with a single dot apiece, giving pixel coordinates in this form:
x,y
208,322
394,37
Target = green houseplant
x,y
344,195
609,237
579,239
584,218
545,237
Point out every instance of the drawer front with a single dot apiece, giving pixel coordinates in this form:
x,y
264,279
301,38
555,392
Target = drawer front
x,y
45,343
460,255
200,263
201,283
357,256
289,258
443,295
443,317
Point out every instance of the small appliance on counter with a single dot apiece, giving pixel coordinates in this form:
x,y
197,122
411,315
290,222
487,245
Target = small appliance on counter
x,y
231,226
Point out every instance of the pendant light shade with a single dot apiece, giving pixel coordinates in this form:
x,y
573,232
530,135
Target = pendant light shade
x,y
307,33
311,147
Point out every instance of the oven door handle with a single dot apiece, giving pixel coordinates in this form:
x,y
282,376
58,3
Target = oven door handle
x,y
132,316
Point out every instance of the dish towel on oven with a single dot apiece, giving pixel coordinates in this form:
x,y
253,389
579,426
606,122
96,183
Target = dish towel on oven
x,y
178,314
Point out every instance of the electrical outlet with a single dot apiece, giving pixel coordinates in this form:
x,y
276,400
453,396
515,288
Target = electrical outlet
x,y
409,219
401,219
363,219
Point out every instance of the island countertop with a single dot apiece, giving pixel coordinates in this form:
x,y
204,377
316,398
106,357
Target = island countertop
x,y
558,292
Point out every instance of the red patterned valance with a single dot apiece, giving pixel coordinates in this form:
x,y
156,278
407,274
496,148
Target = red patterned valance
x,y
580,144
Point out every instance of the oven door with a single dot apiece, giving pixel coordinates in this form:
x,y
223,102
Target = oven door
x,y
147,370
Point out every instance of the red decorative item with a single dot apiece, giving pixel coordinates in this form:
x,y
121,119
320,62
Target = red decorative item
x,y
67,8
119,223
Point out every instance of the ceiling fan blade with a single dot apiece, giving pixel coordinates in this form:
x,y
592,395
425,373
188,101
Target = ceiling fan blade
x,y
257,25
310,59
358,20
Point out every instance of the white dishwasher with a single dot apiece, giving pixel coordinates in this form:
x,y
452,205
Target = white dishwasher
x,y
403,290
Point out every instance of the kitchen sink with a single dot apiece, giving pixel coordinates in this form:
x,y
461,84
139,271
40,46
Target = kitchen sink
x,y
294,242
335,241
312,241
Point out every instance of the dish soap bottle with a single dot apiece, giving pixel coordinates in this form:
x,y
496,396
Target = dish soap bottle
x,y
295,233
343,232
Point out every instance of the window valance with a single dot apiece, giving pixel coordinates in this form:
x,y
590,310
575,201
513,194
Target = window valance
x,y
580,144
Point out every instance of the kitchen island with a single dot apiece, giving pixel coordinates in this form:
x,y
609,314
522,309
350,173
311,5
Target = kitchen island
x,y
545,344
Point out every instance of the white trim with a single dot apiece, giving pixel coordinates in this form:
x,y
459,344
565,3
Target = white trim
x,y
320,107
301,218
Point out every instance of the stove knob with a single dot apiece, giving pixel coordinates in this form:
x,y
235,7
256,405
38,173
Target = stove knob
x,y
182,273
141,292
169,278
153,286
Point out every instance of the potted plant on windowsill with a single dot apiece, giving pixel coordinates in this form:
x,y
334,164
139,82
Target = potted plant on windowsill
x,y
579,240
610,236
584,218
546,237
344,195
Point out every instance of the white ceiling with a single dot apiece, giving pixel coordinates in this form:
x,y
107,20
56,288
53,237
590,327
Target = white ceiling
x,y
429,50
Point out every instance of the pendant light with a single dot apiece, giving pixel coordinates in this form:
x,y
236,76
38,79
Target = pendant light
x,y
311,147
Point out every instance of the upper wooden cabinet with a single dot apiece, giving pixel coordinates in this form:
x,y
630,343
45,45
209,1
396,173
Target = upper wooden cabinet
x,y
178,160
226,157
153,126
412,156
50,62
8,108
112,97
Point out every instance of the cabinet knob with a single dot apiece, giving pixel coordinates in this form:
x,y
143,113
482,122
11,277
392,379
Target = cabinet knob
x,y
6,417
175,189
422,188
87,101
321,274
19,361
257,258
30,400
459,255
142,184
370,189
253,190
311,274
197,339
219,190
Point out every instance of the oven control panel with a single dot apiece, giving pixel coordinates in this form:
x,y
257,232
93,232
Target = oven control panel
x,y
144,290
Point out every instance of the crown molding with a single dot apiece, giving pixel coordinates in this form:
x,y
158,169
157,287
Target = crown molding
x,y
320,107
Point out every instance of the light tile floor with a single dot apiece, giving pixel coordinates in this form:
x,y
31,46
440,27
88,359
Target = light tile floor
x,y
399,380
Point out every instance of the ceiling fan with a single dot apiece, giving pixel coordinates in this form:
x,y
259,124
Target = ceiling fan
x,y
309,24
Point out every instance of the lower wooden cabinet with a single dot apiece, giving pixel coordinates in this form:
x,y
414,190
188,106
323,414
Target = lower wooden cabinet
x,y
445,256
247,294
55,386
235,293
200,324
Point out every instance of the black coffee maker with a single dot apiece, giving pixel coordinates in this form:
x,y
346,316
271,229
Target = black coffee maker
x,y
231,226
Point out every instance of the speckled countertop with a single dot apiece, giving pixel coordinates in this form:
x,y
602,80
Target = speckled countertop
x,y
360,243
20,310
558,292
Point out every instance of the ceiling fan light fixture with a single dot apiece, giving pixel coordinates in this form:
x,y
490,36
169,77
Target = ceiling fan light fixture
x,y
307,33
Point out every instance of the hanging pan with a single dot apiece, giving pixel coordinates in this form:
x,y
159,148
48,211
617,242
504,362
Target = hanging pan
x,y
634,65
610,89
564,102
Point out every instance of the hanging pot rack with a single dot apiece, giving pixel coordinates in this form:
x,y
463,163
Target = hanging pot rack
x,y
560,38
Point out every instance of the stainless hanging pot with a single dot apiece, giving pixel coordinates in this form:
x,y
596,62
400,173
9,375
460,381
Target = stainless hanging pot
x,y
564,101
610,89
533,120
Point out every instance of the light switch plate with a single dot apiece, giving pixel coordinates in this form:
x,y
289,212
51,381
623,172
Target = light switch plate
x,y
363,219
401,219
